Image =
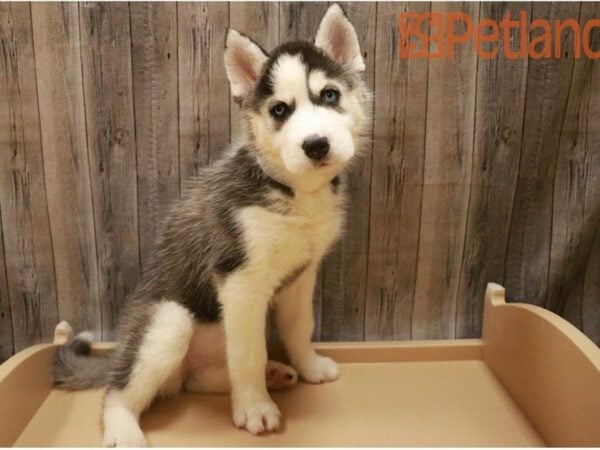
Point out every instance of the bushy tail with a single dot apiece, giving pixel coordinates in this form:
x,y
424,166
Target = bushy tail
x,y
75,368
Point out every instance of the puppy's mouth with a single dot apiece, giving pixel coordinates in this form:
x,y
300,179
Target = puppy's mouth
x,y
327,161
322,163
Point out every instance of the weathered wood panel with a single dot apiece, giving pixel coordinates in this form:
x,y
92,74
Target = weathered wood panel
x,y
27,240
300,20
501,88
576,195
446,182
575,212
154,64
526,270
591,292
106,65
479,170
344,271
62,116
397,180
260,21
591,284
7,346
203,88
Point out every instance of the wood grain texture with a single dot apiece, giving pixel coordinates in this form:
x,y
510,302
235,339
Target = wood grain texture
x,y
106,65
527,262
26,229
203,88
7,345
260,21
499,109
154,64
344,271
299,20
66,166
479,169
446,182
397,180
591,292
590,303
576,197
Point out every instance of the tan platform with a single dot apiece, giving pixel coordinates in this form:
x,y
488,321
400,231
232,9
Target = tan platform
x,y
532,380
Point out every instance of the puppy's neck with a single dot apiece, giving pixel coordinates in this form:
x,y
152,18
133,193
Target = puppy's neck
x,y
308,183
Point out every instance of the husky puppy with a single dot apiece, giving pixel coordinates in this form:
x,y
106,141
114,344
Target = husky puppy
x,y
248,233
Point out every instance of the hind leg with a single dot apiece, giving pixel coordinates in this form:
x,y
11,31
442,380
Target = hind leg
x,y
140,374
280,376
215,380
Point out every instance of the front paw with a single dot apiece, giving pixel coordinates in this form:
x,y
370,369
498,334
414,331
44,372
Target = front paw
x,y
256,416
124,436
318,369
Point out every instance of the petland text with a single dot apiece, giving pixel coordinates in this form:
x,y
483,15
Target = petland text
x,y
539,39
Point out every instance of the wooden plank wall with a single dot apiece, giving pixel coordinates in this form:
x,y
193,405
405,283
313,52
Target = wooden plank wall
x,y
479,169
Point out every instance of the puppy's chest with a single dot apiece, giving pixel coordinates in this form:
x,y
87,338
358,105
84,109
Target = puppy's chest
x,y
298,236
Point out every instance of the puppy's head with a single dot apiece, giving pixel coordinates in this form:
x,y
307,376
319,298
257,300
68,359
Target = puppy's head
x,y
305,105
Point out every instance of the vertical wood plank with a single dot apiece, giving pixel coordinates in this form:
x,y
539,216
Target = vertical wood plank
x,y
203,86
576,202
154,65
107,81
527,262
591,286
501,186
397,178
259,21
345,270
58,69
300,21
26,229
447,177
7,347
591,292
501,90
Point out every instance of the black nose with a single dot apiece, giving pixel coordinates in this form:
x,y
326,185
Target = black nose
x,y
316,147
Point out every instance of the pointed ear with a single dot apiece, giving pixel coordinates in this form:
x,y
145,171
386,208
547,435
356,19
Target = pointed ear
x,y
243,63
337,37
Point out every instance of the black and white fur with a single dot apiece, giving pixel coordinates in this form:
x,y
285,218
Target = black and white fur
x,y
249,233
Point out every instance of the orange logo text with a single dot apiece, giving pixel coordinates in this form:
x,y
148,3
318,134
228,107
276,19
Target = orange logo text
x,y
438,35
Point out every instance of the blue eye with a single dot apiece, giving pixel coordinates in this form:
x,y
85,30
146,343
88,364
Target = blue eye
x,y
330,96
279,110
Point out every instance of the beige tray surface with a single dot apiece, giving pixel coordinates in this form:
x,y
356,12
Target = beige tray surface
x,y
414,403
532,380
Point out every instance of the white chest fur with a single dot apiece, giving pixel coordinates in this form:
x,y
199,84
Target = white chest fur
x,y
277,244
